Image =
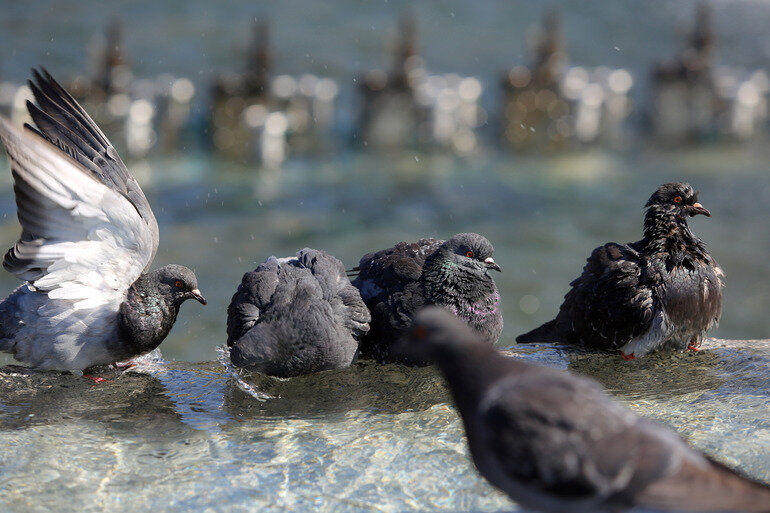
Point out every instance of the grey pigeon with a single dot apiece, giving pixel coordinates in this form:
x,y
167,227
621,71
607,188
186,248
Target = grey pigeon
x,y
396,282
557,442
664,290
294,316
88,239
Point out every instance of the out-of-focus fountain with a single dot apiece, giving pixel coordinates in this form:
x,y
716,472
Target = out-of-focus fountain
x,y
695,100
408,108
138,114
550,106
258,118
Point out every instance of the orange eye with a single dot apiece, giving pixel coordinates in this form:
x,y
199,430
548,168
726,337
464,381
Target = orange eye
x,y
420,332
469,254
178,284
678,199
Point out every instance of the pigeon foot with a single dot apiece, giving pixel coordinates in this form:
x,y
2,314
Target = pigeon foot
x,y
627,356
95,379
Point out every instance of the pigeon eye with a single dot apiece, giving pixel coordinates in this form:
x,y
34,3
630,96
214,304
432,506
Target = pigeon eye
x,y
678,199
420,332
178,284
469,254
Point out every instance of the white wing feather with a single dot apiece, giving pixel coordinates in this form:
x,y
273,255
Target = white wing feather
x,y
88,243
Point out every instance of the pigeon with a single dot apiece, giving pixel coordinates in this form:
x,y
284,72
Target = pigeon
x,y
556,442
662,291
396,282
297,315
88,239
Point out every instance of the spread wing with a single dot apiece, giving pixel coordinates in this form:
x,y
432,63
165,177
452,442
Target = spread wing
x,y
62,121
81,240
611,302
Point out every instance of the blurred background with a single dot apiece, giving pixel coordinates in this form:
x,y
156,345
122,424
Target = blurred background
x,y
261,128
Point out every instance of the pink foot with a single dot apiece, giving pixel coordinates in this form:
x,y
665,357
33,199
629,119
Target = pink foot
x,y
95,379
693,347
627,356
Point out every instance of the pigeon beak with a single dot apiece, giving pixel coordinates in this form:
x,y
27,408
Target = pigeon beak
x,y
697,208
491,264
198,296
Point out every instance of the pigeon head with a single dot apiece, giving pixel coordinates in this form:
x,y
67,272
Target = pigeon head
x,y
676,199
179,283
435,335
470,251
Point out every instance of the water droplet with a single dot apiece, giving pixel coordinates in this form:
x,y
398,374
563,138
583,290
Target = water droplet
x,y
529,304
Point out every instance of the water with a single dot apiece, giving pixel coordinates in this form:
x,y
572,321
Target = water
x,y
182,436
186,434
543,215
174,436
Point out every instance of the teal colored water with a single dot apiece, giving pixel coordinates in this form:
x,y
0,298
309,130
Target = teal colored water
x,y
543,215
184,436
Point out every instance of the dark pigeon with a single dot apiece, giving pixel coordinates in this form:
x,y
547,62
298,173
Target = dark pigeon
x,y
396,282
557,442
88,239
294,316
664,290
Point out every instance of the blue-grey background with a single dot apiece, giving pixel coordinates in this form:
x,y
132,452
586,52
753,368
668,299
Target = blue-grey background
x,y
543,213
183,436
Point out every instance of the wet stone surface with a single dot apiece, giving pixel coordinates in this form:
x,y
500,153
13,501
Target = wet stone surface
x,y
179,436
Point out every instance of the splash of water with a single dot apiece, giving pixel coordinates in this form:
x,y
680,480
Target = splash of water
x,y
223,357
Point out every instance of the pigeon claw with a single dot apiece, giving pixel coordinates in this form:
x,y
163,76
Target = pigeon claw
x,y
95,379
627,356
693,346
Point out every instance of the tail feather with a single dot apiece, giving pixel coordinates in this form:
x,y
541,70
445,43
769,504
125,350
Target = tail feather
x,y
545,333
9,320
707,488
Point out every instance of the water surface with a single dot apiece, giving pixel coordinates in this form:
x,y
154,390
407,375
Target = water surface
x,y
175,436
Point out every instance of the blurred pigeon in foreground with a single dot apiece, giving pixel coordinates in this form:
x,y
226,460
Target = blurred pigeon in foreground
x,y
88,239
662,290
396,282
294,316
556,442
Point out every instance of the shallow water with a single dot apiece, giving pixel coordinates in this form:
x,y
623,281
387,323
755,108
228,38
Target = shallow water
x,y
175,436
182,436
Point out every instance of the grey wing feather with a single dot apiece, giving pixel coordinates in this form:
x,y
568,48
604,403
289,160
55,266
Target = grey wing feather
x,y
62,121
253,296
79,237
385,272
357,316
346,299
564,437
611,302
